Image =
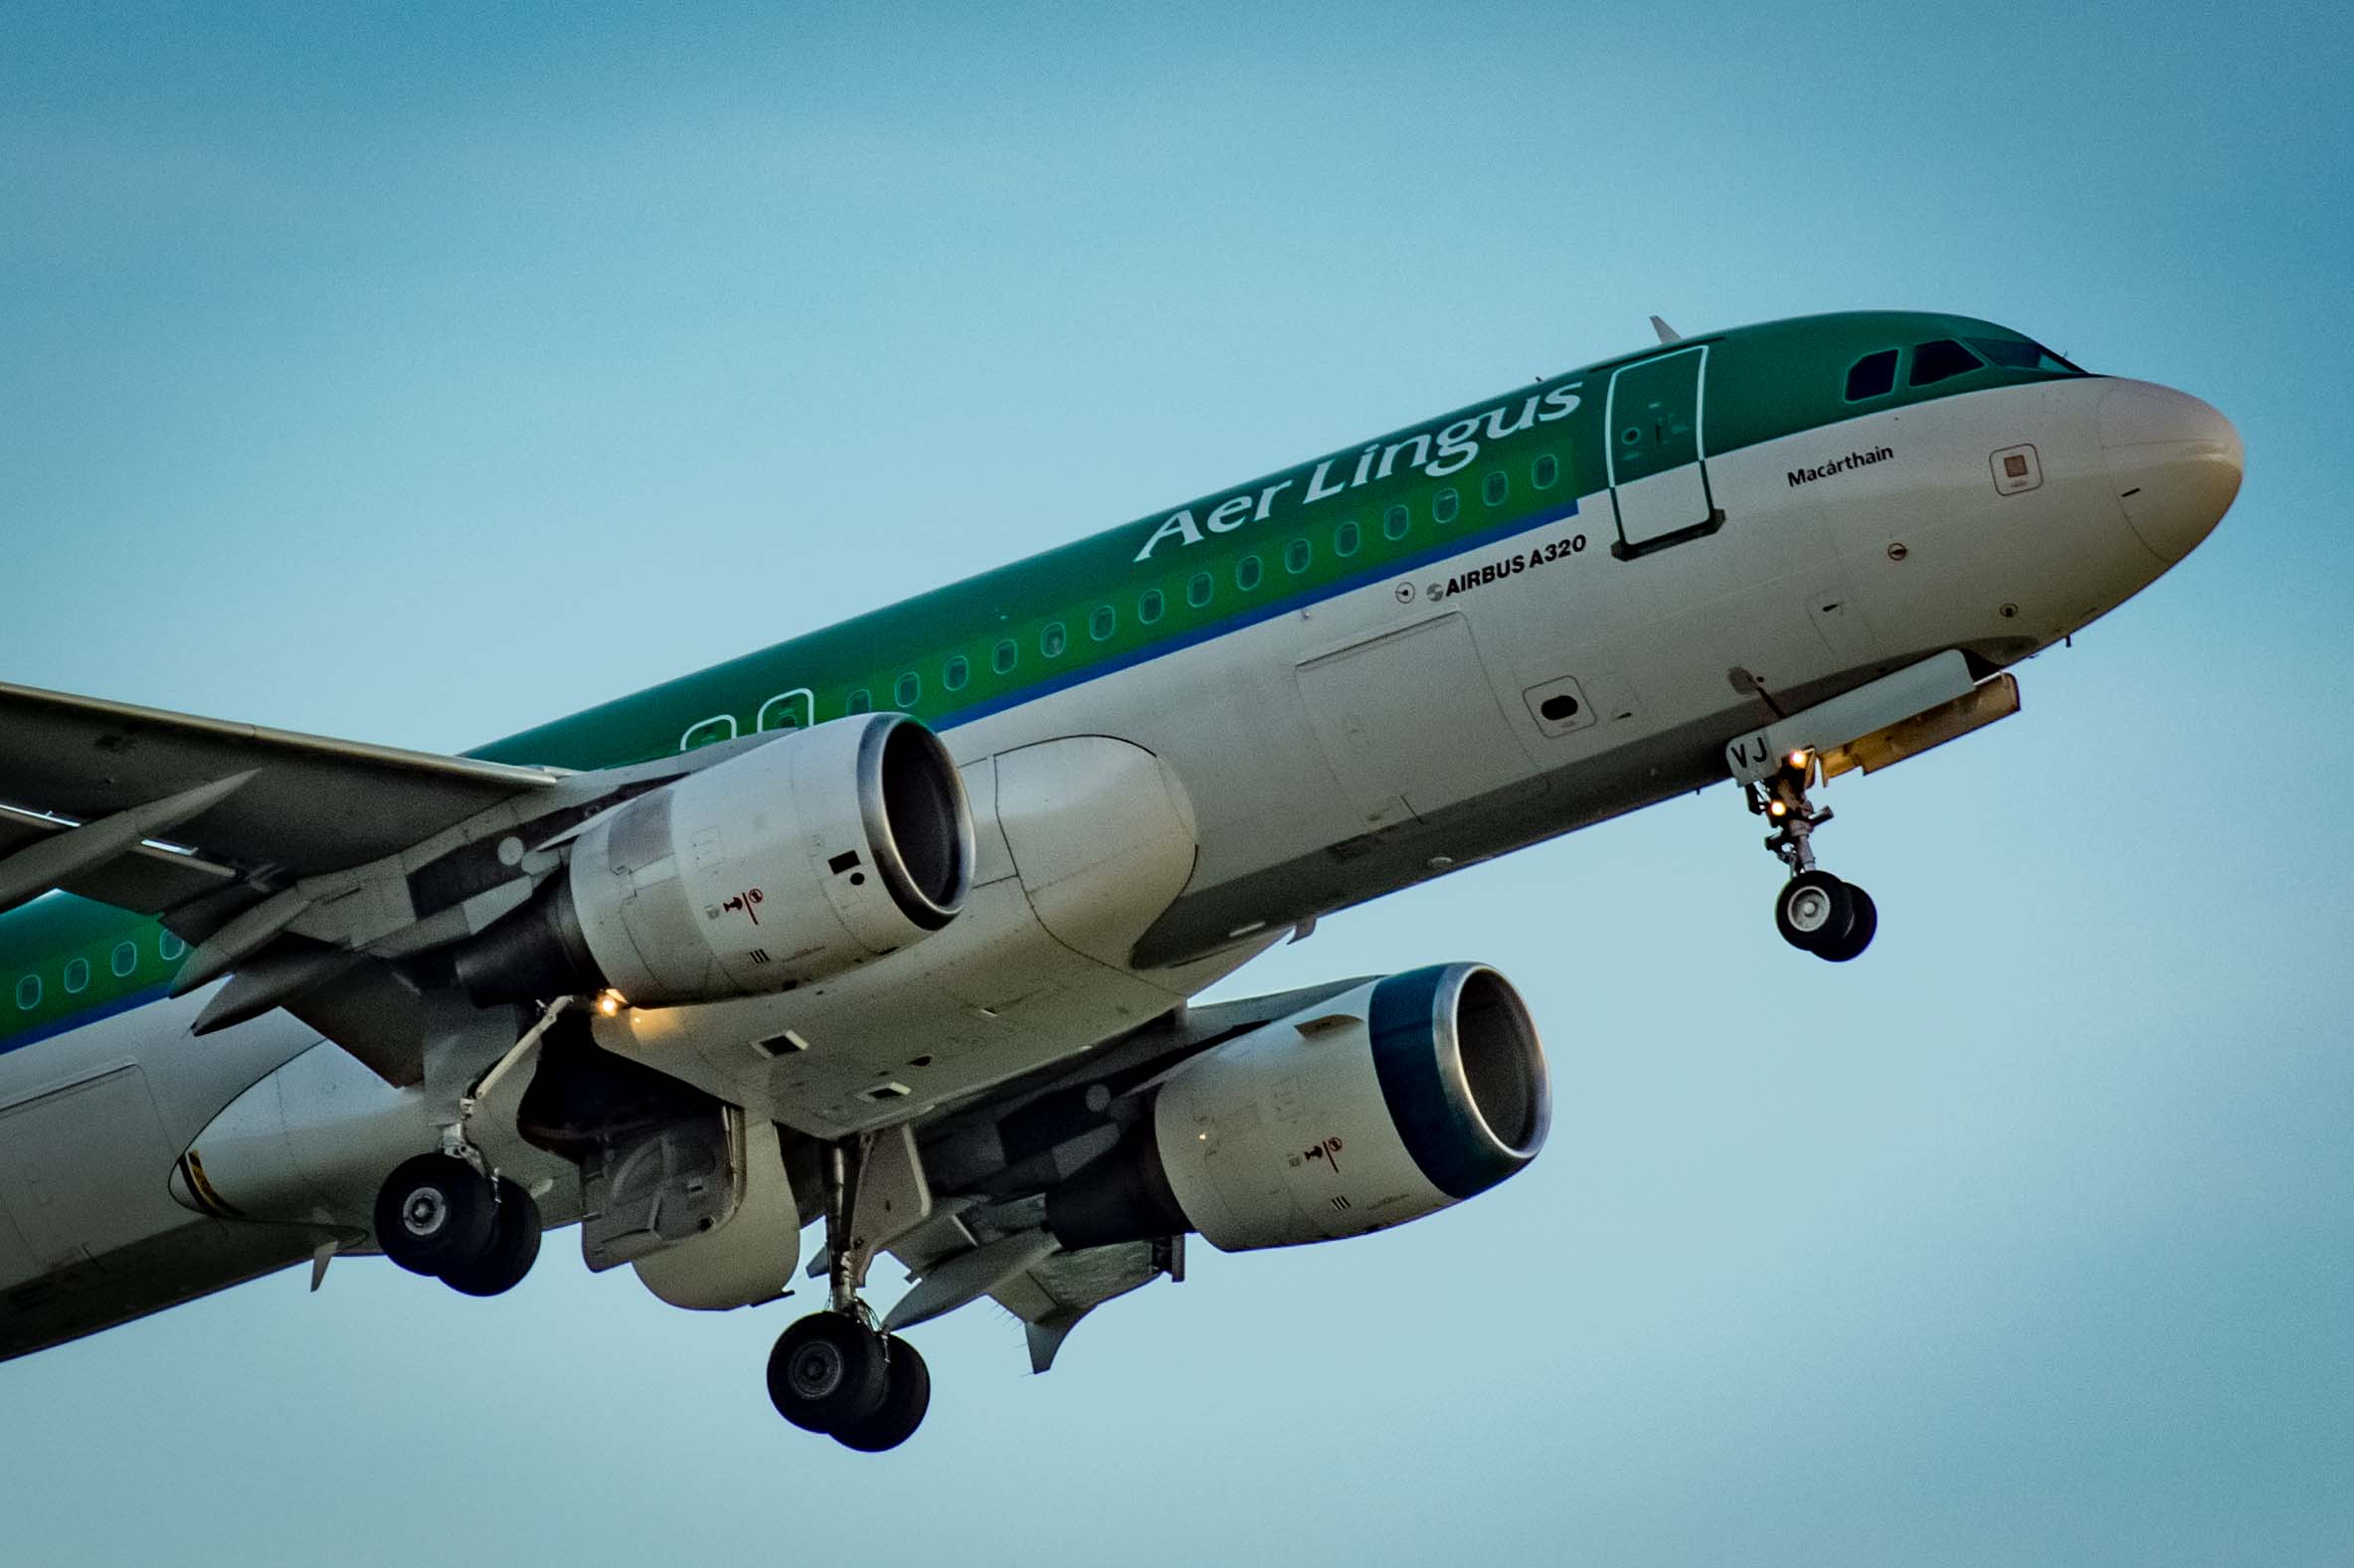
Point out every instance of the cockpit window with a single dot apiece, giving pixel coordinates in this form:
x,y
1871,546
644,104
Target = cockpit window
x,y
1872,374
1941,360
2017,354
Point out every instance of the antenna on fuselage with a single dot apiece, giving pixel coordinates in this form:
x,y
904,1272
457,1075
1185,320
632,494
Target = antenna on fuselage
x,y
1667,335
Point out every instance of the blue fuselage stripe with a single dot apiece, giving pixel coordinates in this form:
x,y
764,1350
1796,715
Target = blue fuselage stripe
x,y
65,1025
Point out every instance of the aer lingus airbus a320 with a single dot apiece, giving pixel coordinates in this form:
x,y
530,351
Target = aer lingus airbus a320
x,y
893,926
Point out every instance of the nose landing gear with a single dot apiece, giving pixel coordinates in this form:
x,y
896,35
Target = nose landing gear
x,y
1815,911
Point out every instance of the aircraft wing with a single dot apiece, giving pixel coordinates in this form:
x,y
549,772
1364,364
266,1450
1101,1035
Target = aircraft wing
x,y
87,786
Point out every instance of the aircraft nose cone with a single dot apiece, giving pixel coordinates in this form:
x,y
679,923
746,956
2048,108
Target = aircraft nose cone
x,y
2175,460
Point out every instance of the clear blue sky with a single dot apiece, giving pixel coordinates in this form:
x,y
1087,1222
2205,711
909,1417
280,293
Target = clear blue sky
x,y
421,373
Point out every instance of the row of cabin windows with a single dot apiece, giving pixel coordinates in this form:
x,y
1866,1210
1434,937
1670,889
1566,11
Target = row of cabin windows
x,y
1103,620
1943,359
122,961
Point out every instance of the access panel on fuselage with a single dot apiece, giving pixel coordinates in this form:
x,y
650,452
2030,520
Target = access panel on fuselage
x,y
84,1168
1656,440
1410,721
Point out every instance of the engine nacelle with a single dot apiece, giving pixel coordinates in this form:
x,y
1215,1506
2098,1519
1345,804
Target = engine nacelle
x,y
788,862
1386,1103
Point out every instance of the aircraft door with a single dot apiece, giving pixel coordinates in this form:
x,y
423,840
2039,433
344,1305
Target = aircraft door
x,y
1656,445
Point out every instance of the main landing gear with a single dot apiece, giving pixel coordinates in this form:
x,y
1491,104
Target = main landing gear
x,y
437,1216
833,1371
1815,911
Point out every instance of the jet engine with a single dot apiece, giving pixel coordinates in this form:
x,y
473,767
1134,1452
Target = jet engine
x,y
790,861
1388,1102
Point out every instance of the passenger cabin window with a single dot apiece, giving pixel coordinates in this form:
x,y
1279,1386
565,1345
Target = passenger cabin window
x,y
1149,605
169,945
1054,639
861,701
1495,489
77,977
1345,539
1445,504
1297,555
1872,376
720,727
1941,360
1547,469
1395,522
1103,622
958,673
1198,591
125,958
910,687
27,992
789,710
1247,572
1007,655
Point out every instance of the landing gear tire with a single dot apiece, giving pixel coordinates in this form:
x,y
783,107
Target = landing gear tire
x,y
1860,931
1814,910
514,1247
434,1212
907,1394
829,1373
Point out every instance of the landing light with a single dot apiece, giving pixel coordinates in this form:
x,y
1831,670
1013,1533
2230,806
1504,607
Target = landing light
x,y
1777,808
610,1002
1799,759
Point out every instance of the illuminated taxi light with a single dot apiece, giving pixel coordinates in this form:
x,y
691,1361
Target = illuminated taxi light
x,y
1777,808
1799,759
610,1004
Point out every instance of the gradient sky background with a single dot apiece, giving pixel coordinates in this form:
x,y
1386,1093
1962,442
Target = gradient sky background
x,y
418,374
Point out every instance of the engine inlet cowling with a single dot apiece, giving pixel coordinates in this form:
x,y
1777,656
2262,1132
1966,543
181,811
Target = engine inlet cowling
x,y
789,862
1393,1100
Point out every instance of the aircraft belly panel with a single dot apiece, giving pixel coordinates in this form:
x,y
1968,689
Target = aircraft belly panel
x,y
85,1169
17,1262
1410,721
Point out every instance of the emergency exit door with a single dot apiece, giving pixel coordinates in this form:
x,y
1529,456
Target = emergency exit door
x,y
1657,453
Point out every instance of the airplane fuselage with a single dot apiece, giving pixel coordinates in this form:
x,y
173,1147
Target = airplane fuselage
x,y
1537,612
